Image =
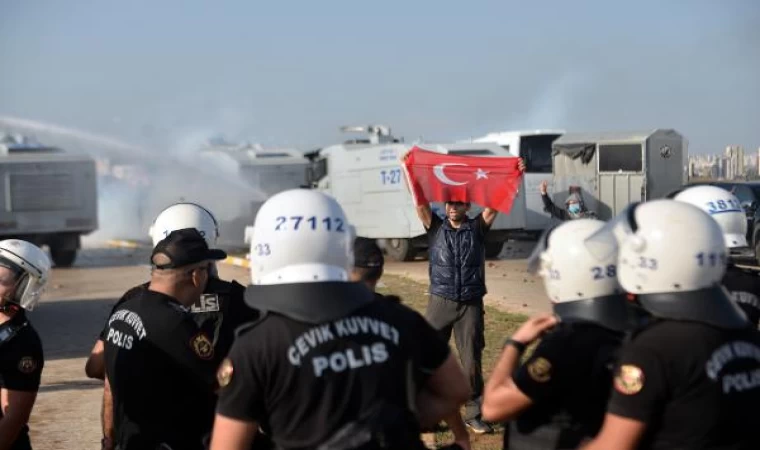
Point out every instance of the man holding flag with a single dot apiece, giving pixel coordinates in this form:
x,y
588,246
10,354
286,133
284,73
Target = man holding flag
x,y
457,247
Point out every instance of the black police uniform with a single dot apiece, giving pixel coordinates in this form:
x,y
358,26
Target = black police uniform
x,y
218,313
568,378
693,376
744,285
161,367
21,363
327,362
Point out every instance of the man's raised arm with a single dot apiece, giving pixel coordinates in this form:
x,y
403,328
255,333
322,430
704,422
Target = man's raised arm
x,y
423,206
489,214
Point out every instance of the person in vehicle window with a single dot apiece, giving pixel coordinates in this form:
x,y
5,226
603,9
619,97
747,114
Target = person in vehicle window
x,y
575,207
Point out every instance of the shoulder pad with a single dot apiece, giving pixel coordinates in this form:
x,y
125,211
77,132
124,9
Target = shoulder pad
x,y
636,331
134,291
561,330
246,327
234,285
392,298
217,286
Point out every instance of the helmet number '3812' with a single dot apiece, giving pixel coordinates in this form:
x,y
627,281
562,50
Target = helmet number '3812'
x,y
727,205
330,224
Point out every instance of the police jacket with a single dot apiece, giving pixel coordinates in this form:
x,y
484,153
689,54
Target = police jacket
x,y
744,285
457,258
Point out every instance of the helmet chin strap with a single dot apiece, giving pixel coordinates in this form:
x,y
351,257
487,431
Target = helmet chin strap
x,y
11,304
8,306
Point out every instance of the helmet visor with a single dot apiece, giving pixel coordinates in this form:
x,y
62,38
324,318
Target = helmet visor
x,y
604,243
31,293
534,260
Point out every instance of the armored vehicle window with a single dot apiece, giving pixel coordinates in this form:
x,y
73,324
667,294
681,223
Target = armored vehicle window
x,y
742,192
755,190
536,151
620,157
317,170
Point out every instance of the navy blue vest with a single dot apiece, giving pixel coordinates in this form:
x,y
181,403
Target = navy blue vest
x,y
457,261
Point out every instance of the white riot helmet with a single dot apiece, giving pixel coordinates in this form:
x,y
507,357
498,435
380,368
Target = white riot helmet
x,y
579,285
724,207
185,215
32,268
301,236
672,255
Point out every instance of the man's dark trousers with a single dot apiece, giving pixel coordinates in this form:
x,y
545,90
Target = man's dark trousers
x,y
466,319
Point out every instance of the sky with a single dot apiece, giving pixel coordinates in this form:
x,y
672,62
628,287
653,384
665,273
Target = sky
x,y
291,73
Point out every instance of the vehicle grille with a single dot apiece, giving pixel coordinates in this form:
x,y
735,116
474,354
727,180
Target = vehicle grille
x,y
42,192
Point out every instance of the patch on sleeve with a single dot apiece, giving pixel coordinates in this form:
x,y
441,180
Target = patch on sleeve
x,y
224,374
629,379
202,346
207,303
27,365
540,369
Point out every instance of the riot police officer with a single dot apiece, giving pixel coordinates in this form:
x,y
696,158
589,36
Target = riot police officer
x,y
725,208
159,365
558,396
327,366
219,311
689,378
24,270
368,268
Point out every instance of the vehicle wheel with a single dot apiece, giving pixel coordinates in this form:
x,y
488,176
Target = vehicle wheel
x,y
400,250
63,258
493,249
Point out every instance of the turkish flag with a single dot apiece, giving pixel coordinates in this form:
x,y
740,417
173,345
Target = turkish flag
x,y
491,182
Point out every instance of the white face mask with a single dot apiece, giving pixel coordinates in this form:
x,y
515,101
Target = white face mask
x,y
574,208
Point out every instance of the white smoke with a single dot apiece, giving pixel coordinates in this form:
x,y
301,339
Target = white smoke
x,y
175,173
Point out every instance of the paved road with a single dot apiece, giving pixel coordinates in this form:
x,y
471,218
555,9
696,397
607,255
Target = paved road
x,y
76,304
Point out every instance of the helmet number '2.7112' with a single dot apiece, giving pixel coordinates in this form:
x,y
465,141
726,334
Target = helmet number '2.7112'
x,y
330,224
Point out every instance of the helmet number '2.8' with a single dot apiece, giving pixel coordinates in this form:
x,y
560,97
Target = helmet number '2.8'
x,y
601,273
312,222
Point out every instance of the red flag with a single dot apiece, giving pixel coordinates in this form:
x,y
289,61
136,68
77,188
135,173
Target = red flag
x,y
487,181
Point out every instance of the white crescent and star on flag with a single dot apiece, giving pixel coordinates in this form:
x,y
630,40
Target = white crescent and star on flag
x,y
443,178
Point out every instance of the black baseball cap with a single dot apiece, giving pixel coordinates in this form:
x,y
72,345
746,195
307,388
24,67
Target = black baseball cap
x,y
185,247
367,254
